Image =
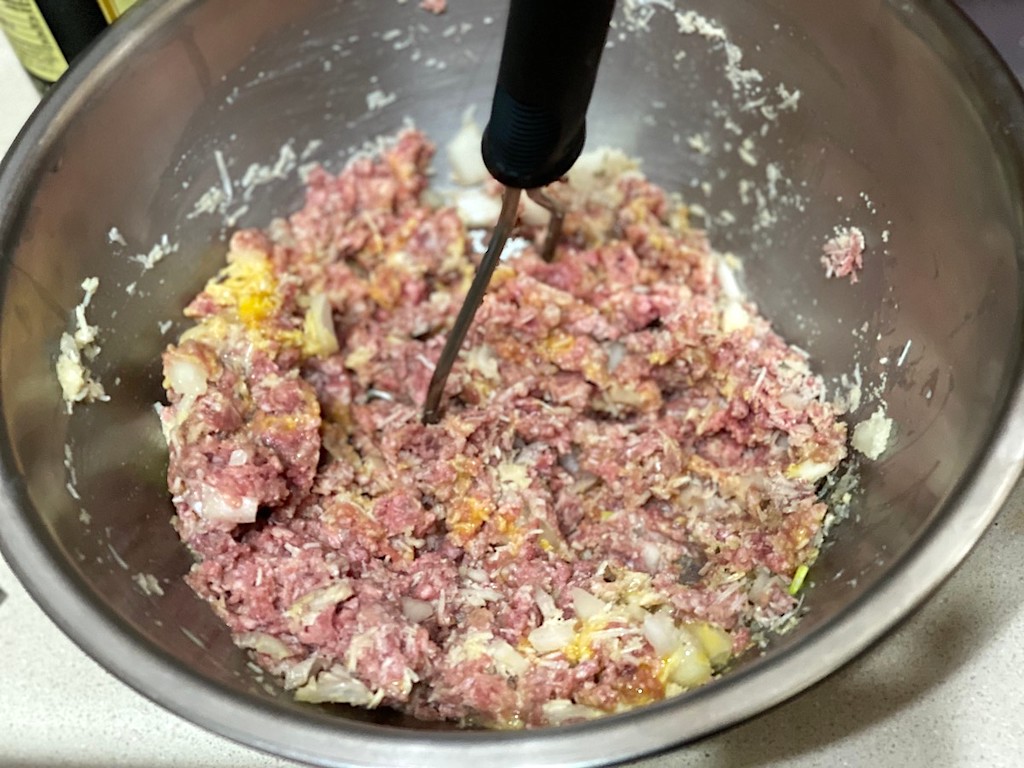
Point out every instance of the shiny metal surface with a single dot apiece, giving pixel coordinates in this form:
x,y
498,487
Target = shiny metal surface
x,y
557,213
434,405
902,102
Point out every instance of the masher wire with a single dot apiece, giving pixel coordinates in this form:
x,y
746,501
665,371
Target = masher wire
x,y
432,408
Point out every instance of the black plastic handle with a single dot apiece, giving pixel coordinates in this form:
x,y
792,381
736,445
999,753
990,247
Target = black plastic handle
x,y
548,66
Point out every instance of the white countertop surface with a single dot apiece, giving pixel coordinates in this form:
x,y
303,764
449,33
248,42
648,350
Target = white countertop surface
x,y
945,689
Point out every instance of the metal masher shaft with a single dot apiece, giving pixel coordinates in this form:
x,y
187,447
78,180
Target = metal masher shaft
x,y
432,408
557,211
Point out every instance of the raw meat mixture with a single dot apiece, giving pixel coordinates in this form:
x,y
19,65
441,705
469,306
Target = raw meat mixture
x,y
614,505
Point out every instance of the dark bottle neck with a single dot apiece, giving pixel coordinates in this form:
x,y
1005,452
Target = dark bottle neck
x,y
73,23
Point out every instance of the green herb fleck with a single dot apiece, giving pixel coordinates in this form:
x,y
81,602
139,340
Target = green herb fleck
x,y
798,579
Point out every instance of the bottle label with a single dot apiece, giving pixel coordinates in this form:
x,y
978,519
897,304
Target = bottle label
x,y
114,8
31,39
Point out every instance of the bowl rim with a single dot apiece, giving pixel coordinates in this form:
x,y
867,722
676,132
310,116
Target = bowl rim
x,y
316,738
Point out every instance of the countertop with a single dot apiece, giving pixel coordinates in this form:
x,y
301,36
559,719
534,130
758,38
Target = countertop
x,y
945,689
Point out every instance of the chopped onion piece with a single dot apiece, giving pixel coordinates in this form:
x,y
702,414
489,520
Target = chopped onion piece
x,y
616,354
559,711
625,395
688,666
587,606
335,685
319,338
727,279
811,471
546,604
795,401
475,645
598,170
514,475
552,635
308,608
70,372
716,642
479,596
215,507
477,209
185,376
662,633
416,610
734,317
299,674
482,359
871,437
465,156
263,643
760,584
652,556
509,661
533,214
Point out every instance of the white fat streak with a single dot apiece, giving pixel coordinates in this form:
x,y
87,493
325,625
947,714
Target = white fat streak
x,y
638,13
758,382
904,353
378,99
156,254
148,584
257,174
193,638
225,177
691,22
211,201
117,558
746,152
790,99
115,236
77,382
699,143
232,218
311,147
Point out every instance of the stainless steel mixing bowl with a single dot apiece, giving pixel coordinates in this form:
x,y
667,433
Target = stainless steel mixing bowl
x,y
906,123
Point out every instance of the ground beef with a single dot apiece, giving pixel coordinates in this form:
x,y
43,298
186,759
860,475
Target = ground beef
x,y
843,255
613,506
436,7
